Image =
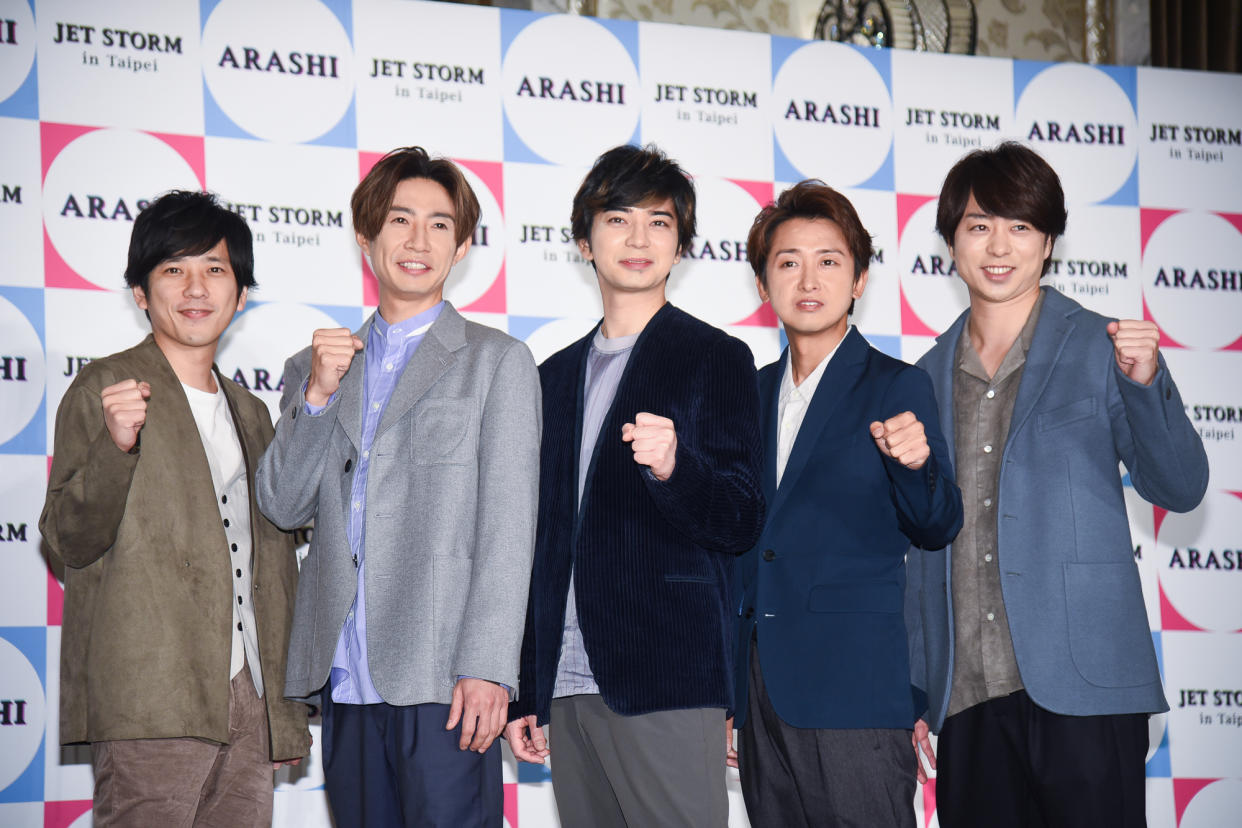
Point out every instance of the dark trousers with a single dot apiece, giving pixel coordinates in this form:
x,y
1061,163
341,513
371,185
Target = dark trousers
x,y
385,765
796,777
1009,762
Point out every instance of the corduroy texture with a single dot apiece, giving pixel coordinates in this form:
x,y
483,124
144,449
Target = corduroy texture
x,y
652,560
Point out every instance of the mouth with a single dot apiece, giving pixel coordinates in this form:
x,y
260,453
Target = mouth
x,y
809,305
997,272
414,267
634,263
195,313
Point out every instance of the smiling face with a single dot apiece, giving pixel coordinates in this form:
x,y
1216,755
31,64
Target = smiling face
x,y
191,299
633,248
415,249
810,280
1000,259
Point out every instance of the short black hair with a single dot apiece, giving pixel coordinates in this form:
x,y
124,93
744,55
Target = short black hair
x,y
628,176
1009,181
186,223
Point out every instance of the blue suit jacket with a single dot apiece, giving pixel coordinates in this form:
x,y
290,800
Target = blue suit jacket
x,y
651,561
824,584
1070,585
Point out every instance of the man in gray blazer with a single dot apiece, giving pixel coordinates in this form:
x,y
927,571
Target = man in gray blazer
x,y
1029,632
418,461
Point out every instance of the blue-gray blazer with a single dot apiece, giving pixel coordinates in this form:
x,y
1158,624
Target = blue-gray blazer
x,y
1071,588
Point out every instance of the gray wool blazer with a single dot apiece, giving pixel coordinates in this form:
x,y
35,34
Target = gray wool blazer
x,y
450,513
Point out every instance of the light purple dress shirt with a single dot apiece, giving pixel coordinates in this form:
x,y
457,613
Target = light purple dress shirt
x,y
389,348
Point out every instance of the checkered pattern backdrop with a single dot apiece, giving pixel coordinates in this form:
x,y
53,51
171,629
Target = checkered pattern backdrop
x,y
281,106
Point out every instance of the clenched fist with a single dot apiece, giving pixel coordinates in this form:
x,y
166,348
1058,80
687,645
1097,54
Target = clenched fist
x,y
1136,346
332,349
125,411
902,438
654,441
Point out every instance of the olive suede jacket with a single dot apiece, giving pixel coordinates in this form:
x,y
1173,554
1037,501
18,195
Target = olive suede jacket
x,y
147,625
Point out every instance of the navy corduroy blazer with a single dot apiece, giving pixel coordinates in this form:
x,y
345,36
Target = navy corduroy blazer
x,y
651,560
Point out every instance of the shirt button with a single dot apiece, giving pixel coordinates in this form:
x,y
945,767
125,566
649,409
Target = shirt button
x,y
233,547
239,626
224,498
987,503
239,599
375,406
388,367
226,523
366,454
991,393
357,505
987,449
239,573
988,557
991,616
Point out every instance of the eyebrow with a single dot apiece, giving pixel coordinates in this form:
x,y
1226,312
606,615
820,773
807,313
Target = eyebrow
x,y
817,252
665,213
406,210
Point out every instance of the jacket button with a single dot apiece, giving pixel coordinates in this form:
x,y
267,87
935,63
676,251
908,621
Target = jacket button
x,y
349,464
750,612
768,554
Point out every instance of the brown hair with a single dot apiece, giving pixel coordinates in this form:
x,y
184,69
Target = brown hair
x,y
373,196
1009,181
809,199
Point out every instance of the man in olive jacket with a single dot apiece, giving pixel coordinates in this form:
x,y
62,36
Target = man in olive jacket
x,y
178,593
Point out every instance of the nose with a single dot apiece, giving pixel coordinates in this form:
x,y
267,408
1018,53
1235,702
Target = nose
x,y
999,242
639,236
195,284
417,238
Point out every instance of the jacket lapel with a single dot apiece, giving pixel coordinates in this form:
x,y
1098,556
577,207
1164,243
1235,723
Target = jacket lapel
x,y
349,407
1052,331
841,373
769,413
433,357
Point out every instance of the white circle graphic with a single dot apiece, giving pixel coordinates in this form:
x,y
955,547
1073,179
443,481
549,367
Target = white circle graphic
x,y
22,372
95,188
21,713
1200,562
547,339
833,114
1192,281
17,34
1216,804
254,348
473,275
714,281
282,70
929,279
563,113
1081,121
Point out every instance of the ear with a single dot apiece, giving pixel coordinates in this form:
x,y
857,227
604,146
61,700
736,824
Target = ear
x,y
763,292
1047,246
584,247
364,243
241,299
860,284
461,249
140,297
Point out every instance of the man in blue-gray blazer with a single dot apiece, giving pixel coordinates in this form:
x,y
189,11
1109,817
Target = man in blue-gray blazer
x,y
414,446
855,470
1029,633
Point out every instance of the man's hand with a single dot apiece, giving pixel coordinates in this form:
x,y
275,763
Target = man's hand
x,y
279,765
1136,345
481,707
332,349
921,738
526,740
902,438
730,750
654,441
125,411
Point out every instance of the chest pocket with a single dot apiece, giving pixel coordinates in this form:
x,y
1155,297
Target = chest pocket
x,y
1066,414
442,431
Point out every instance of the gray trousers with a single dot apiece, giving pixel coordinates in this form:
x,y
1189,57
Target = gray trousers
x,y
657,769
807,778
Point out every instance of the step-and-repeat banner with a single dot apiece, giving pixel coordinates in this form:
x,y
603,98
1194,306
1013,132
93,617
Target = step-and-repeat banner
x,y
278,106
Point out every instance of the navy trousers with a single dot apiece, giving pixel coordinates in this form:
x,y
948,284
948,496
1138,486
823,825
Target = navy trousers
x,y
386,765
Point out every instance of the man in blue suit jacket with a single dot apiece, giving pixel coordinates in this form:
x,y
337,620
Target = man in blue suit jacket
x,y
1030,634
855,470
649,487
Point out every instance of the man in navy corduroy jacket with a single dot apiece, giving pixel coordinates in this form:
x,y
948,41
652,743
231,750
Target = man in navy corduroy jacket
x,y
649,488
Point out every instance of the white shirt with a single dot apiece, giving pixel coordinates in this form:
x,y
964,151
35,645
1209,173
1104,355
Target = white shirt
x,y
793,402
228,478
